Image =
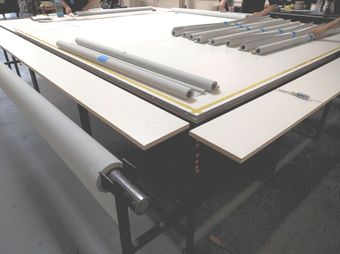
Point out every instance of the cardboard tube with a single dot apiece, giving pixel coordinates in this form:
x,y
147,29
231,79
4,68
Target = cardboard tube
x,y
112,11
153,79
185,77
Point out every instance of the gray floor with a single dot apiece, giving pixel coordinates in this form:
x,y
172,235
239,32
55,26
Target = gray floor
x,y
44,209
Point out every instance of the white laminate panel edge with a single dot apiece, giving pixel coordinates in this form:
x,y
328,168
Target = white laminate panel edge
x,y
243,132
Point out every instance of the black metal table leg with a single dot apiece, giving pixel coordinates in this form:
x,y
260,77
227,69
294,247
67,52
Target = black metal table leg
x,y
15,62
84,119
323,120
7,59
34,80
124,225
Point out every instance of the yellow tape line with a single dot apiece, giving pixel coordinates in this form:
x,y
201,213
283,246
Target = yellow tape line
x,y
192,109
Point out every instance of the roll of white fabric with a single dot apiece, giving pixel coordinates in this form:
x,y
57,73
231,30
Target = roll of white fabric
x,y
82,154
108,11
229,15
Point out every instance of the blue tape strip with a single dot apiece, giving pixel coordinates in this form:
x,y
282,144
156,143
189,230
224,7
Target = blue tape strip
x,y
311,36
293,34
281,31
226,22
263,30
102,58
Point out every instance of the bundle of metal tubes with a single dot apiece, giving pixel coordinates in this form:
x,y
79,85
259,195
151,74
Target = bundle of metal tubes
x,y
173,81
259,35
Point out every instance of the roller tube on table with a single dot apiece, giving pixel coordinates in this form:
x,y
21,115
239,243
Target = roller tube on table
x,y
301,39
186,77
287,34
81,153
231,15
156,80
108,11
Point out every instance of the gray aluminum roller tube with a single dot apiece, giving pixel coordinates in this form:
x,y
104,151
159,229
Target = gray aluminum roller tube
x,y
82,154
223,30
283,44
281,37
204,37
153,79
253,43
180,30
185,77
236,39
290,42
231,15
108,11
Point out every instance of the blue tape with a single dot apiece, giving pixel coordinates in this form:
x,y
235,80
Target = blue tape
x,y
311,36
281,31
248,29
226,22
293,34
102,58
262,29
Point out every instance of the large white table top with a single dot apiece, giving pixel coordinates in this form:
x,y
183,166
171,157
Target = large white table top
x,y
149,36
244,131
141,122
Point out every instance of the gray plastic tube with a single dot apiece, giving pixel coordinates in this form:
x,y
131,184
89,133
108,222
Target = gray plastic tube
x,y
85,157
185,77
118,10
204,37
153,79
237,39
180,30
283,44
279,37
290,42
231,15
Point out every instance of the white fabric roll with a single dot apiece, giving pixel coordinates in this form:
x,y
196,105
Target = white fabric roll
x,y
108,11
82,154
229,15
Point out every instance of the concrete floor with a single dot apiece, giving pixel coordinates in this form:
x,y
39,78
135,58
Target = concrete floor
x,y
45,209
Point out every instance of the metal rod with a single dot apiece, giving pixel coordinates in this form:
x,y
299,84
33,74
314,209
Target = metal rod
x,y
7,59
34,80
121,186
15,62
124,225
148,236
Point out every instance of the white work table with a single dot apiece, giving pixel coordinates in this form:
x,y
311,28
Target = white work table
x,y
238,134
244,131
